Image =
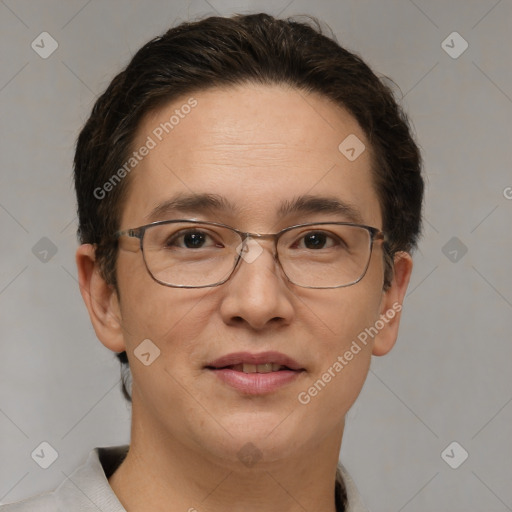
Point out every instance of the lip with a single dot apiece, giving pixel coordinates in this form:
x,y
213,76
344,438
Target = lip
x,y
255,383
251,358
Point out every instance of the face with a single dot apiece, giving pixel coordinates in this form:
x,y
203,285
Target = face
x,y
259,148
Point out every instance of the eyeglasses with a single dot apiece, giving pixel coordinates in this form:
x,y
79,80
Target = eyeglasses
x,y
197,254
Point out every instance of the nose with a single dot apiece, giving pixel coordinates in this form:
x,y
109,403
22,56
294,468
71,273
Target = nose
x,y
257,294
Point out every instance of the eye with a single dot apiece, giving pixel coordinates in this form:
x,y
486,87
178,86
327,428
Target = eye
x,y
191,239
316,240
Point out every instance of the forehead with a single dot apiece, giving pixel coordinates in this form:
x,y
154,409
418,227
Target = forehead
x,y
258,146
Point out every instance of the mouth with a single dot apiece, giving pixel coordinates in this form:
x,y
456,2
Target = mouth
x,y
255,368
262,362
256,374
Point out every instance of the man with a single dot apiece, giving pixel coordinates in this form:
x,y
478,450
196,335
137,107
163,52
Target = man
x,y
249,194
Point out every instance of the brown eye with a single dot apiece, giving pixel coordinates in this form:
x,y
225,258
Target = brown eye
x,y
191,239
194,240
315,240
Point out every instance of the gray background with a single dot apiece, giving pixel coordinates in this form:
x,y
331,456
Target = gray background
x,y
448,379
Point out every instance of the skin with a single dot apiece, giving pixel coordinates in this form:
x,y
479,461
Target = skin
x,y
257,146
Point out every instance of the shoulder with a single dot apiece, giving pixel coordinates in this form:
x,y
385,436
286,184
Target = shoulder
x,y
85,490
41,503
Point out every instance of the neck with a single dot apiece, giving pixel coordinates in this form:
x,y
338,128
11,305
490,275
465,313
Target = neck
x,y
162,471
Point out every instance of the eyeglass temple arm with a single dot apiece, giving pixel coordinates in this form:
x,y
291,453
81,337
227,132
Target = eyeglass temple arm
x,y
131,234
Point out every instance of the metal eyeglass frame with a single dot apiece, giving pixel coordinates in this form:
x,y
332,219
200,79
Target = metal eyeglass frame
x,y
375,235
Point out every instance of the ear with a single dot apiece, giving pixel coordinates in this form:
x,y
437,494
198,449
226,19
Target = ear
x,y
100,298
391,305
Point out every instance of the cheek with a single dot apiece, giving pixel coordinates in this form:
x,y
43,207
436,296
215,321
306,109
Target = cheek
x,y
343,346
152,311
174,321
336,317
171,317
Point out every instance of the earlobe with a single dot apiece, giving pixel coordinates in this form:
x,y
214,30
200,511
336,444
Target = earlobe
x,y
100,299
391,305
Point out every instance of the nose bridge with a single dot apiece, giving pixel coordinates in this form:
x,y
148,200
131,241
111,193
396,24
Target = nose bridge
x,y
257,292
254,245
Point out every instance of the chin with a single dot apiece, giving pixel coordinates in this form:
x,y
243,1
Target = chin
x,y
261,437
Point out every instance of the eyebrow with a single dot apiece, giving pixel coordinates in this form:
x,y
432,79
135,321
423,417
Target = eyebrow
x,y
214,203
317,204
197,203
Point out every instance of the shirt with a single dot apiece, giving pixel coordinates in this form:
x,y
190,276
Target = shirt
x,y
87,488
